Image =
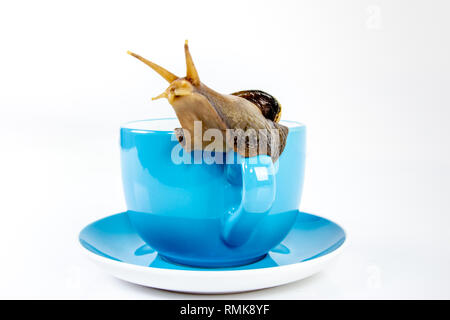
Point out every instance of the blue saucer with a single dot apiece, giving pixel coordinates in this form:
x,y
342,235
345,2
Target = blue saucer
x,y
113,244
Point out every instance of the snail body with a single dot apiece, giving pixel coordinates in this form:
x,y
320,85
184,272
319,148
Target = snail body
x,y
246,120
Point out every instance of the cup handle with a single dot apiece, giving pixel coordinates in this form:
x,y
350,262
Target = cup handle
x,y
258,195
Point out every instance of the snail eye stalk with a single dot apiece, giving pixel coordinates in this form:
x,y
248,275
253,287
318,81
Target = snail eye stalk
x,y
169,76
191,71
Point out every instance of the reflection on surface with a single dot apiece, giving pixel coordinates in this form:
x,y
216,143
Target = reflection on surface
x,y
281,248
161,262
143,250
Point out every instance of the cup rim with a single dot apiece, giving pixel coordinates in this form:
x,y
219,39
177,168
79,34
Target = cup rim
x,y
293,125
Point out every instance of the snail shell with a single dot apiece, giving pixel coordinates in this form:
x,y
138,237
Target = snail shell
x,y
269,106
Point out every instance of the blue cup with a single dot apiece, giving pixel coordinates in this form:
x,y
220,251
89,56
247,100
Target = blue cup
x,y
198,211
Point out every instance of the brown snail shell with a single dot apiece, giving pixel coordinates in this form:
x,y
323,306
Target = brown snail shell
x,y
269,106
253,114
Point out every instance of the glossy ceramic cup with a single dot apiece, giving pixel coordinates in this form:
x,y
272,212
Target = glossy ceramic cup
x,y
209,215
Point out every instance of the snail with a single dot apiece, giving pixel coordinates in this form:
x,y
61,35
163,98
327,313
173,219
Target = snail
x,y
247,119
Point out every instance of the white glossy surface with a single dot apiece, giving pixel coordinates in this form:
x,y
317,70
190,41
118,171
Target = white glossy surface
x,y
213,282
370,79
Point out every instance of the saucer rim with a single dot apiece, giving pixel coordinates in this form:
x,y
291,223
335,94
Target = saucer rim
x,y
101,259
326,256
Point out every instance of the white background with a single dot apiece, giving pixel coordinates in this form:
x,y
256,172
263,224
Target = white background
x,y
370,79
